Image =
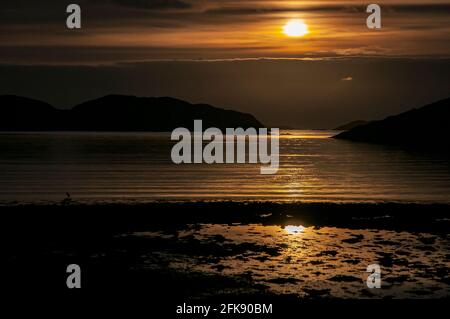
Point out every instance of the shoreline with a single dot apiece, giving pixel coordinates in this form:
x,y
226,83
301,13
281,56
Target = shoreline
x,y
231,251
390,215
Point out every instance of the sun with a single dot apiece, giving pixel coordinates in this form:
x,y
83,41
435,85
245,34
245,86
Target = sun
x,y
295,28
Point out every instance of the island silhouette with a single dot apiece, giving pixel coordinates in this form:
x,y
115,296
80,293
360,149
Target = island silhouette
x,y
427,126
116,113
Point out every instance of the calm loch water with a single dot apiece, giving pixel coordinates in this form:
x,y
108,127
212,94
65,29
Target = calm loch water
x,y
137,167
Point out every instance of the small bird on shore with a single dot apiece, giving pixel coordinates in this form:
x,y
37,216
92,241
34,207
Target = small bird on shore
x,y
67,200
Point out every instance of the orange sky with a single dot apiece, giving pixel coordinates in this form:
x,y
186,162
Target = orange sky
x,y
122,30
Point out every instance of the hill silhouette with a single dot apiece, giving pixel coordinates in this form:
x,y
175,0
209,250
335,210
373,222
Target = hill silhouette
x,y
116,113
350,125
427,126
23,114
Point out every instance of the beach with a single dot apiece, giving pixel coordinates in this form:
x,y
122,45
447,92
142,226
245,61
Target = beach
x,y
205,251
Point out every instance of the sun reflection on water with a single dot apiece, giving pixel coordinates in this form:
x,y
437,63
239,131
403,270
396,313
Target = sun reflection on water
x,y
294,230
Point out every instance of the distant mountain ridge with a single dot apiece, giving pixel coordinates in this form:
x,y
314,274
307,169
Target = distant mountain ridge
x,y
116,113
427,126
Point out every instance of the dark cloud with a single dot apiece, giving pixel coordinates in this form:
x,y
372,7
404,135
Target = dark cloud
x,y
153,4
146,4
435,8
97,55
264,10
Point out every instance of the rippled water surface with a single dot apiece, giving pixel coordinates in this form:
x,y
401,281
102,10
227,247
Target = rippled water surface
x,y
137,166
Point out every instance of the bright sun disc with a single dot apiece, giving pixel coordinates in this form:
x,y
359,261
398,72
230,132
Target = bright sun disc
x,y
295,28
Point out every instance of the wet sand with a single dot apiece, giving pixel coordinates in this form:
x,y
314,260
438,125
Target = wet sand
x,y
209,251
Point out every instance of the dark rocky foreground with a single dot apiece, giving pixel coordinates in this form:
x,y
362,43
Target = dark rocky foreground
x,y
215,252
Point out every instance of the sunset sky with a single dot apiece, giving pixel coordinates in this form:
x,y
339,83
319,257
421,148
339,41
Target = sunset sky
x,y
233,54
